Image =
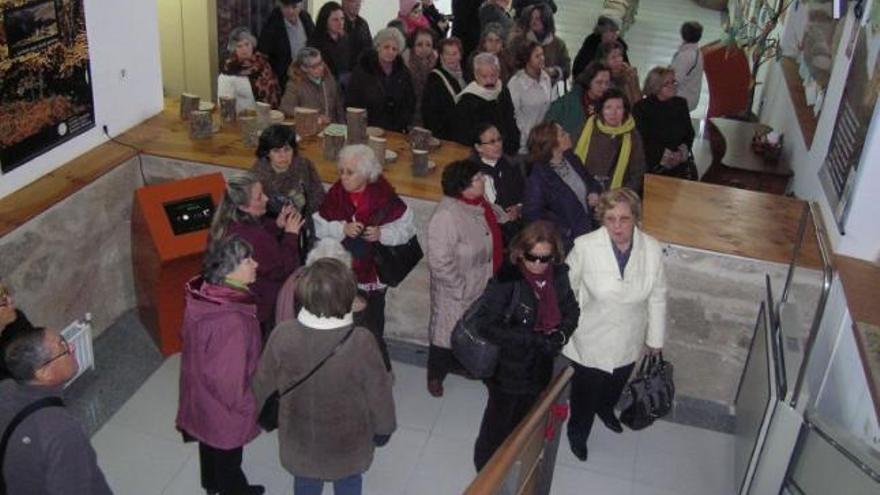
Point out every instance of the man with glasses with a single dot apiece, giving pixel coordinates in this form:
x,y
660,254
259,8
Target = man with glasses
x,y
48,451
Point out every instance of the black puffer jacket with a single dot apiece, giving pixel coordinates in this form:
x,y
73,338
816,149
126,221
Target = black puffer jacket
x,y
525,362
390,100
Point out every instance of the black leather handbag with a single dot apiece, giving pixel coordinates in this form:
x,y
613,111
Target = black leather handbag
x,y
474,352
393,263
649,395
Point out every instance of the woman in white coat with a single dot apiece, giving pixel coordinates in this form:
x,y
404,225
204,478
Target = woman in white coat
x,y
617,276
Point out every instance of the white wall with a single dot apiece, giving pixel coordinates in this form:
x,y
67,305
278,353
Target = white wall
x,y
862,239
123,35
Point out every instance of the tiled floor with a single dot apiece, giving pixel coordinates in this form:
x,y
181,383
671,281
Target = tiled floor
x,y
430,454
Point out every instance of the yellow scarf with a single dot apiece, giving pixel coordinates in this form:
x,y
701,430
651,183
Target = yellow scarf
x,y
625,129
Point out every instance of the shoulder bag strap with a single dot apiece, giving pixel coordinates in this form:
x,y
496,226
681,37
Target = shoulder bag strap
x,y
16,420
318,366
448,85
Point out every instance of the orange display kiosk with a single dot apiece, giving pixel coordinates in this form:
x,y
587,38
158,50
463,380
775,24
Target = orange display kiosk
x,y
169,228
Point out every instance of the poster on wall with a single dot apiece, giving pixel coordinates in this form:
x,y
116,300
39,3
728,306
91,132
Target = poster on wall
x,y
839,173
45,87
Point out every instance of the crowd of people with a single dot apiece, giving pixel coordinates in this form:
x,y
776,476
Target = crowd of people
x,y
541,222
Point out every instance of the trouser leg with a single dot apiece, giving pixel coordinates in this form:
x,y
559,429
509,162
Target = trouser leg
x,y
613,389
307,486
221,469
374,320
587,396
503,413
350,485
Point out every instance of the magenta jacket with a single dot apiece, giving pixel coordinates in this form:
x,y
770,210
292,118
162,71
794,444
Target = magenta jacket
x,y
277,254
221,349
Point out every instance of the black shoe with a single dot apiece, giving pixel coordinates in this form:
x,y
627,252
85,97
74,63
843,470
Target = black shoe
x,y
612,423
579,450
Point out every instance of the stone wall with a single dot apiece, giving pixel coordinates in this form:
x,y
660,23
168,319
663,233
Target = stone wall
x,y
76,256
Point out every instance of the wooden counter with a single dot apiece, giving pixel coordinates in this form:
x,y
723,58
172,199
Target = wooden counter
x,y
165,135
725,220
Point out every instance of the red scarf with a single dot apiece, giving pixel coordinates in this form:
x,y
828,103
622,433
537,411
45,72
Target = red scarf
x,y
378,204
494,228
548,316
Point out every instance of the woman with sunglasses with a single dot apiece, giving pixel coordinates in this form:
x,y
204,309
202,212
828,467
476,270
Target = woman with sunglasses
x,y
12,322
664,122
617,275
530,312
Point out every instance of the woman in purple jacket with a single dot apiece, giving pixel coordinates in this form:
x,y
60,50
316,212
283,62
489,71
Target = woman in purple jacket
x,y
221,349
275,242
559,189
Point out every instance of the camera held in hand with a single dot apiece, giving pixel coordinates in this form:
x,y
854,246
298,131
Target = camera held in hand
x,y
276,203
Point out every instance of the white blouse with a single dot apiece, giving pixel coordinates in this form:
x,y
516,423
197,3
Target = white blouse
x,y
531,99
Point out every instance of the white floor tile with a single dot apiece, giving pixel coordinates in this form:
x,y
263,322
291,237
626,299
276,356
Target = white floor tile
x,y
445,467
462,409
644,489
415,408
153,409
134,462
570,481
609,452
394,464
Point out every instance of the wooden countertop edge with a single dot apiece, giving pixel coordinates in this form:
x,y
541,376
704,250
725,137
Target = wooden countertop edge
x,y
22,205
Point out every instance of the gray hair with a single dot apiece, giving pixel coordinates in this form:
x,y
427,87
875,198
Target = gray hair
x,y
363,158
328,248
223,257
238,193
239,34
486,59
25,353
389,34
306,54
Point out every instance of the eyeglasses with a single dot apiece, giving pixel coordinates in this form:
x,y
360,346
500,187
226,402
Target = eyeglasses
x,y
538,259
63,353
493,141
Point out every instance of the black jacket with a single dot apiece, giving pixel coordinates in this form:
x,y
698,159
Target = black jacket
x,y
589,50
525,360
357,34
336,53
466,24
472,110
662,125
390,100
275,46
438,104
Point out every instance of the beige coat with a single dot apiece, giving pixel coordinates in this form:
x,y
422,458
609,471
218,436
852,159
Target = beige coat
x,y
326,426
303,92
460,262
619,315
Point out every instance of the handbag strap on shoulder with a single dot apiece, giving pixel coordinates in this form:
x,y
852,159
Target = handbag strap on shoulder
x,y
16,420
318,366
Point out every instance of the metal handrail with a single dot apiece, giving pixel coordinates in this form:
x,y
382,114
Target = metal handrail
x,y
827,276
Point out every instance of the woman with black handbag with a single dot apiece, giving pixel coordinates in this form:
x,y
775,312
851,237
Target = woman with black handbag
x,y
529,312
617,275
362,210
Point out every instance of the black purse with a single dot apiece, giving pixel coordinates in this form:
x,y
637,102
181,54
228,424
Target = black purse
x,y
268,417
474,352
649,395
394,263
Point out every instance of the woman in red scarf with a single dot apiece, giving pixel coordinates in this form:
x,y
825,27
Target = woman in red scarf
x,y
464,251
361,209
535,283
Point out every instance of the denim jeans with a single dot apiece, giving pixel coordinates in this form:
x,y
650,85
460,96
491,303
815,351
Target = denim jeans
x,y
350,485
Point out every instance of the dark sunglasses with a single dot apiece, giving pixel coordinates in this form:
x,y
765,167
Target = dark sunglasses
x,y
538,259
